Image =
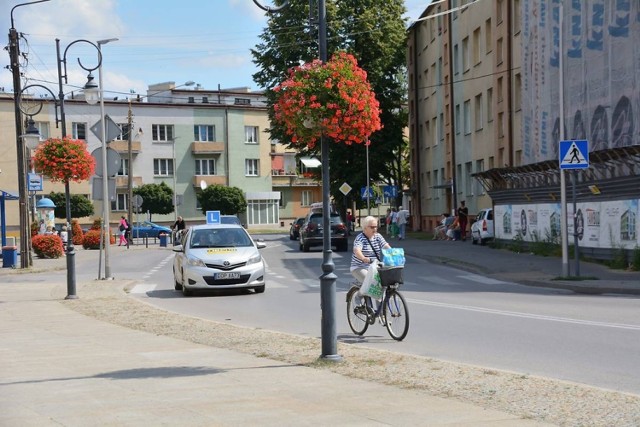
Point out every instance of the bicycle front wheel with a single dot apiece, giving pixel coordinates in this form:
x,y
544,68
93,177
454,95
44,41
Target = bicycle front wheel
x,y
396,315
357,312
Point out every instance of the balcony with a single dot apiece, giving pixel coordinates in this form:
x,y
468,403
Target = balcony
x,y
209,180
282,172
293,181
123,181
207,147
122,147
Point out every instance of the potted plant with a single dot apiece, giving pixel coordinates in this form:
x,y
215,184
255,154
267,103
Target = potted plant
x,y
332,99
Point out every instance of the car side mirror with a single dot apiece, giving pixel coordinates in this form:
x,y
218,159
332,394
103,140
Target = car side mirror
x,y
177,248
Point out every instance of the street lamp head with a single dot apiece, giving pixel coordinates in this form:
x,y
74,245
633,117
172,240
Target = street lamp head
x,y
31,137
91,91
189,83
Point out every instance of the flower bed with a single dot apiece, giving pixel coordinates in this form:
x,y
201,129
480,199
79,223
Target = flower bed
x,y
47,246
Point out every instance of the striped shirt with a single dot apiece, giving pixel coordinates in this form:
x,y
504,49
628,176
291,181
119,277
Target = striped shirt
x,y
361,242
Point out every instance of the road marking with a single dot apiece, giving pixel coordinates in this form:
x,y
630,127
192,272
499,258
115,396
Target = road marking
x,y
527,315
482,279
143,288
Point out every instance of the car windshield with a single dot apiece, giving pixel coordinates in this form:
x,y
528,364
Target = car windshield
x,y
317,219
220,238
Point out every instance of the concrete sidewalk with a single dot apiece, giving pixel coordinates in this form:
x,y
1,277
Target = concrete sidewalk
x,y
59,367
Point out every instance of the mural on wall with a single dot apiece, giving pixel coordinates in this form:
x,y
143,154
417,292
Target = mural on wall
x,y
601,47
612,224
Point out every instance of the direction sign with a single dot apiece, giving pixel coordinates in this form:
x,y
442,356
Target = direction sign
x,y
113,161
112,130
213,217
137,200
574,154
390,191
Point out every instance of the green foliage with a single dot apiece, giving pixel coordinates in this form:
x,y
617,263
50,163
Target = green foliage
x,y
635,259
227,200
81,206
619,260
549,246
156,198
517,244
374,32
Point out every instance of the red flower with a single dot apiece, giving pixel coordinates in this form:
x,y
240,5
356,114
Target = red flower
x,y
333,99
64,160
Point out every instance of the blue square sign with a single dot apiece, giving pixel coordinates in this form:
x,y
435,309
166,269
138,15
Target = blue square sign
x,y
213,217
574,154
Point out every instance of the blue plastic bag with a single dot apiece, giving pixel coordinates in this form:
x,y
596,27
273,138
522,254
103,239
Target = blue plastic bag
x,y
393,257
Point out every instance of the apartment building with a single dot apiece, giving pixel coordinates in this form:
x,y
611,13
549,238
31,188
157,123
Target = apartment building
x,y
186,138
494,87
462,109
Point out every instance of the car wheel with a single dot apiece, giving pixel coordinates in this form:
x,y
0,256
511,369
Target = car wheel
x,y
300,245
259,289
186,292
177,286
291,237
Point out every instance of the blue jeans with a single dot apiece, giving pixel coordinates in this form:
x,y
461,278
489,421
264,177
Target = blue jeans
x,y
403,229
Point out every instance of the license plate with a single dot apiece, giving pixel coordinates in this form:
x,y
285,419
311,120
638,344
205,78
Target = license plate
x,y
221,276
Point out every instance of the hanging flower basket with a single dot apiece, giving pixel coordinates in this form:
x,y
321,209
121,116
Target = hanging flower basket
x,y
332,99
64,160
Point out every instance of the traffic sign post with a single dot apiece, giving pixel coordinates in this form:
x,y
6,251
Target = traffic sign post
x,y
574,155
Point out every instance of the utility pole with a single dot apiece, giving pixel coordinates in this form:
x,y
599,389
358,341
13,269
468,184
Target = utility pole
x,y
14,55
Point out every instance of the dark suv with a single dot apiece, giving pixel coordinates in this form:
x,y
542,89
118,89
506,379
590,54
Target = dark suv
x,y
312,230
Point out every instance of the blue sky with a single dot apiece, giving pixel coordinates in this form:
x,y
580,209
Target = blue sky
x,y
206,41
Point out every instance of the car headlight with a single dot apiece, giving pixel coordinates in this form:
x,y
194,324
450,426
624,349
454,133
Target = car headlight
x,y
195,262
254,259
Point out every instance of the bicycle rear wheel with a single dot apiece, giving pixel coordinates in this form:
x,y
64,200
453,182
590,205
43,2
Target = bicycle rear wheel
x,y
396,315
357,312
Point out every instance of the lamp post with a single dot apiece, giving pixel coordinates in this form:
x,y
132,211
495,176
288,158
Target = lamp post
x,y
91,93
328,278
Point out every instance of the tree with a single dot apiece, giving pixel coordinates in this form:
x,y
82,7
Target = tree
x,y
156,198
374,32
80,205
227,200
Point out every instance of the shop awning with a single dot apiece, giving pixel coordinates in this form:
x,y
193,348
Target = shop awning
x,y
310,162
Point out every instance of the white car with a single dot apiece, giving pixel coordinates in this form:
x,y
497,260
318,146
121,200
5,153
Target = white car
x,y
220,256
482,228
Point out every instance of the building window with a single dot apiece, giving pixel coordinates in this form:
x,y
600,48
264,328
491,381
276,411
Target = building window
x,y
465,54
120,203
204,133
436,191
436,132
499,84
517,89
251,134
163,167
162,133
457,119
124,167
476,46
516,16
499,53
43,130
490,104
307,198
499,10
478,111
124,136
468,180
441,127
467,117
251,167
488,36
501,124
456,60
479,189
205,166
79,130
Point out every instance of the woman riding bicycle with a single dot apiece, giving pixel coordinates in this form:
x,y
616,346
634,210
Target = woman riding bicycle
x,y
367,248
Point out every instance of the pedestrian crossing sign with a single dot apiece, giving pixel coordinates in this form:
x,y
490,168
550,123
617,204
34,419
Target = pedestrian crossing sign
x,y
574,154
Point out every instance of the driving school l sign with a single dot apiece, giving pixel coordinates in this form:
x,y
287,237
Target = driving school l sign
x,y
574,154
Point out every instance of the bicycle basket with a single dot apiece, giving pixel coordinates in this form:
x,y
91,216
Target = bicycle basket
x,y
390,275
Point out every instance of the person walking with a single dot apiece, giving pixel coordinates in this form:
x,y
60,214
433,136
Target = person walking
x,y
123,227
463,214
403,217
394,223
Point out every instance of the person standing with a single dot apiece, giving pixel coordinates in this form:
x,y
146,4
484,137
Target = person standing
x,y
463,213
403,217
394,223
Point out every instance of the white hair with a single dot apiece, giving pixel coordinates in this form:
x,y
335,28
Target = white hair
x,y
370,219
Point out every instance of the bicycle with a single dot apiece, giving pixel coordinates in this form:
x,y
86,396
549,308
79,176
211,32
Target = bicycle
x,y
392,311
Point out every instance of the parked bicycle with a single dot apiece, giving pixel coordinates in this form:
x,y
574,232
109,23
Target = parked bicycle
x,y
391,310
